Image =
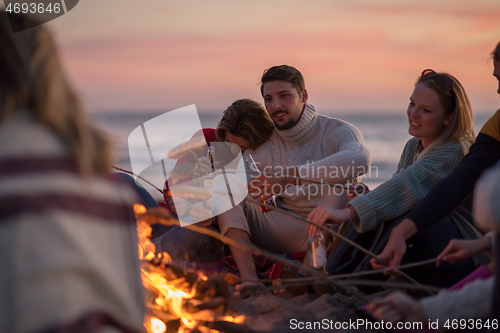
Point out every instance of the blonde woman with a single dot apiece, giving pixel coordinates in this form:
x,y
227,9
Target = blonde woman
x,y
68,240
450,192
440,121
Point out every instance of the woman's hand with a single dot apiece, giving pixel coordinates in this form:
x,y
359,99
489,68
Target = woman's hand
x,y
321,214
395,248
397,307
202,216
462,249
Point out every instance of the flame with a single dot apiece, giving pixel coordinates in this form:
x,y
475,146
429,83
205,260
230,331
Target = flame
x,y
237,320
157,326
139,209
170,296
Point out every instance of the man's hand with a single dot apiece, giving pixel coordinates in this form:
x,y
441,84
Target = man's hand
x,y
264,186
461,249
397,307
202,216
322,214
395,248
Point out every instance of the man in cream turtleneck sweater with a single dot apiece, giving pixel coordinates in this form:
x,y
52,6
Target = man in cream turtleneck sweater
x,y
305,144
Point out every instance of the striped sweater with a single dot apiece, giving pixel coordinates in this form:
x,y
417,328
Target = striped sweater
x,y
411,182
68,245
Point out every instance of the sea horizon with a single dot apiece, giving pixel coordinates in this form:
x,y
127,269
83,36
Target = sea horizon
x,y
384,134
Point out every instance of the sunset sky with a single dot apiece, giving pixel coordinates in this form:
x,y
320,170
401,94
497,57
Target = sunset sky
x,y
356,56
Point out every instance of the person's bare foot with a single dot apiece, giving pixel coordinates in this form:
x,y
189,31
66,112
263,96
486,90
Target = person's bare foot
x,y
247,289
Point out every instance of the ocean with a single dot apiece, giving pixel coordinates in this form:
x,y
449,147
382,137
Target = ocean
x,y
385,136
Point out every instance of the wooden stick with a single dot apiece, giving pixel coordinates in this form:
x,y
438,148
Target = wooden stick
x,y
167,220
388,269
397,285
350,275
300,217
133,174
336,234
374,283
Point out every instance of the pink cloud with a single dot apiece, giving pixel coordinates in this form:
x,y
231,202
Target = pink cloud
x,y
352,65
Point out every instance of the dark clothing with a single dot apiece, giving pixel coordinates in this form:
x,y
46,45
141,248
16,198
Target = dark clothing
x,y
455,188
425,245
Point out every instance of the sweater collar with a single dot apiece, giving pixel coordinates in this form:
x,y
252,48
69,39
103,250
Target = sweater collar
x,y
303,127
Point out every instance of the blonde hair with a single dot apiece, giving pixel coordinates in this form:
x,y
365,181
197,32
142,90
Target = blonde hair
x,y
455,103
246,119
31,77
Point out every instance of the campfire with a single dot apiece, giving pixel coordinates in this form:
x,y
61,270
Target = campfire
x,y
178,301
188,301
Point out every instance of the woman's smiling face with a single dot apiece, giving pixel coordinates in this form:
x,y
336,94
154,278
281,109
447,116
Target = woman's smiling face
x,y
426,115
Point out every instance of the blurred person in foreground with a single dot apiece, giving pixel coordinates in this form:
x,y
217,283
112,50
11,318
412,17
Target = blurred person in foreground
x,y
68,240
477,300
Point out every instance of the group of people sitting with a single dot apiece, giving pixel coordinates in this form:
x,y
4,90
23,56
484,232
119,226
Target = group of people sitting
x,y
411,217
68,231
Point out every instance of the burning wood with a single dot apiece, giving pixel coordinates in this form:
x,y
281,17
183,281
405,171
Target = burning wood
x,y
183,301
176,298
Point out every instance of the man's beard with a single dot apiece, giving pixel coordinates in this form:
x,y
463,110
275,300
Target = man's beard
x,y
289,124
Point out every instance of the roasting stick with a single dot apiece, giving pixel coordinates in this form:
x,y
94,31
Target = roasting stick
x,y
363,273
142,178
214,234
285,283
388,269
270,254
336,234
166,219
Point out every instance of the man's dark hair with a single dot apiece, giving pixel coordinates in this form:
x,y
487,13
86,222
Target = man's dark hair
x,y
283,73
496,53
